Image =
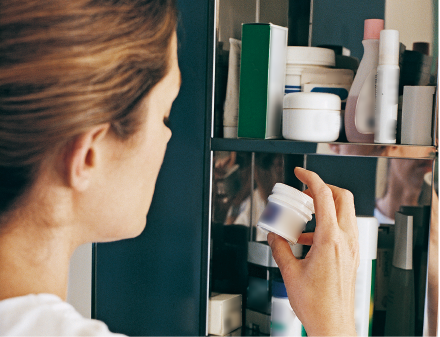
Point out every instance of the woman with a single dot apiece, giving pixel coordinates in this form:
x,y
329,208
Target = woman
x,y
86,87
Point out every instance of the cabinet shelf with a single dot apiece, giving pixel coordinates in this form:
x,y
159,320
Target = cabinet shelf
x,y
260,145
298,147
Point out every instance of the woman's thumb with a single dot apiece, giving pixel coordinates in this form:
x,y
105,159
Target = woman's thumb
x,y
282,254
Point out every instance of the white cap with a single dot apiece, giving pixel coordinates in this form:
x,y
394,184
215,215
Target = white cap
x,y
310,56
389,47
312,101
292,192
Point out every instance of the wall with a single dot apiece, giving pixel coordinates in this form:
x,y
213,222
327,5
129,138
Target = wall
x,y
79,291
341,22
413,20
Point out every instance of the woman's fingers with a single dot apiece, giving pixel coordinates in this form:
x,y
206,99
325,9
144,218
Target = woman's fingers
x,y
306,239
322,195
344,206
282,255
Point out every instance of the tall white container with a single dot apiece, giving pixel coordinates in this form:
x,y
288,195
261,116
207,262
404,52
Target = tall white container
x,y
387,88
364,298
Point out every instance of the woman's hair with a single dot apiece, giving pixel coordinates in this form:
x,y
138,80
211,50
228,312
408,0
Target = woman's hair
x,y
66,66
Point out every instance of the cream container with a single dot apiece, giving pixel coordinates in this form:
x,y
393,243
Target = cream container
x,y
287,212
301,58
312,116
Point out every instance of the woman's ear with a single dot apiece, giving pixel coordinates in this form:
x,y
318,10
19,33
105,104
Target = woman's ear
x,y
81,157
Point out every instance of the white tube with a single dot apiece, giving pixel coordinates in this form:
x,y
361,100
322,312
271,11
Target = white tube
x,y
230,114
387,88
366,273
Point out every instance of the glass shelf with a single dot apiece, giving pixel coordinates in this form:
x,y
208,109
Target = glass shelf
x,y
334,148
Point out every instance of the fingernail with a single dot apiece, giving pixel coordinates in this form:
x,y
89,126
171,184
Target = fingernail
x,y
300,168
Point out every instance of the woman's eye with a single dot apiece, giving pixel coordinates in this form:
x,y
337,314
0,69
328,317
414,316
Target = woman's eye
x,y
166,121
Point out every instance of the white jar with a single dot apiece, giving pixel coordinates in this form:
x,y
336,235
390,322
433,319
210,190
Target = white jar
x,y
287,212
312,117
300,58
283,320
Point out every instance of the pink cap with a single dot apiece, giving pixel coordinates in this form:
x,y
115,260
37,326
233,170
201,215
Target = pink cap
x,y
372,28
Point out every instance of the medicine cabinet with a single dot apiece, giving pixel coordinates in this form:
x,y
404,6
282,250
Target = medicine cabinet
x,y
382,178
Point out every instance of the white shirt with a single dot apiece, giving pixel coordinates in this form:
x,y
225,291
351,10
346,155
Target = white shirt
x,y
46,315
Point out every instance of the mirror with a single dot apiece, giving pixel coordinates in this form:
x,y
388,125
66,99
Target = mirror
x,y
328,22
381,187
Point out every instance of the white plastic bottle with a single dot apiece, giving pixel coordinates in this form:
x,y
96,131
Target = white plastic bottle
x,y
359,111
364,291
387,87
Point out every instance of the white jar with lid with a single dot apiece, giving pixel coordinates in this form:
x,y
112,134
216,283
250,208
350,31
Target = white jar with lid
x,y
300,58
312,116
287,212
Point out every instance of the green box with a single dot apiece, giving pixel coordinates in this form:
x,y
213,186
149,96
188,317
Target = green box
x,y
262,78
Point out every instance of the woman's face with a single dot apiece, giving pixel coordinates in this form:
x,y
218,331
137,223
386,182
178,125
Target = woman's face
x,y
134,164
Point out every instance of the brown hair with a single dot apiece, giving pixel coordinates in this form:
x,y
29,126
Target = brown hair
x,y
66,66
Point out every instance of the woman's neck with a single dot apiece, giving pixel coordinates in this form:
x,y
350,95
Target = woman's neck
x,y
34,258
396,196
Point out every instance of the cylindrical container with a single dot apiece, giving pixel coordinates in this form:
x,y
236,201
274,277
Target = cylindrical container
x,y
387,88
312,116
287,212
300,58
359,111
283,321
400,318
230,114
368,228
416,126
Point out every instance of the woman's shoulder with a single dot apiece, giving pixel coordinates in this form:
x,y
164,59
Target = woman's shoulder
x,y
46,314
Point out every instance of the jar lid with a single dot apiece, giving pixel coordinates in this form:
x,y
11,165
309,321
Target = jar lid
x,y
293,193
310,56
279,289
312,101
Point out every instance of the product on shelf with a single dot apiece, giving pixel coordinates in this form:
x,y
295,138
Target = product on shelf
x,y
262,76
387,88
312,117
359,111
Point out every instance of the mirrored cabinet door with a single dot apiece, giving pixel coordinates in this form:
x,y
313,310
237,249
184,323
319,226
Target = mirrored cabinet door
x,y
395,186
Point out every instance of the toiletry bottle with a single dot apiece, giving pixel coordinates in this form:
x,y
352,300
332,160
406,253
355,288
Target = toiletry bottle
x,y
359,111
400,316
387,88
366,274
283,321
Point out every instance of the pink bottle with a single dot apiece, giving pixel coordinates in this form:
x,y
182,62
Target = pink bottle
x,y
359,111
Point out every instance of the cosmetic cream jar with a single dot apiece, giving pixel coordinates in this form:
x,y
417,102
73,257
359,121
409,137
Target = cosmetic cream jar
x,y
301,58
287,212
312,116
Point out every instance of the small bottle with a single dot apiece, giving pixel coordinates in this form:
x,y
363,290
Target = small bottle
x,y
287,212
359,111
387,88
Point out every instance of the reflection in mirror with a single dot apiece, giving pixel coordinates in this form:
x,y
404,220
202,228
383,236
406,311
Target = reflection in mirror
x,y
368,150
403,186
240,190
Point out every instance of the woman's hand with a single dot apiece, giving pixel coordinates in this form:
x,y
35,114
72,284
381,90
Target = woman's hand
x,y
321,288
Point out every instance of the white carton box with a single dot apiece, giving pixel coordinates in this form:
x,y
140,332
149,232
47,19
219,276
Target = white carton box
x,y
224,314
